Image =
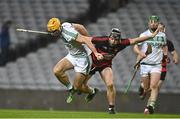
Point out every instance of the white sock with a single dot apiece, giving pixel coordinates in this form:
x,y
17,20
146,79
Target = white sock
x,y
93,91
69,86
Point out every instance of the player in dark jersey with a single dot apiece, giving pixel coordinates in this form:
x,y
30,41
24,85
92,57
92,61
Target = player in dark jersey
x,y
166,60
109,46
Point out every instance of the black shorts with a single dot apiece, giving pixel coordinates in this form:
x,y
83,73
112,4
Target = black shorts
x,y
163,76
95,69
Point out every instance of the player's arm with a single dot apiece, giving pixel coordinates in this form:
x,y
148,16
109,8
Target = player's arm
x,y
87,40
140,55
173,52
82,38
81,29
137,50
165,54
144,38
175,57
165,50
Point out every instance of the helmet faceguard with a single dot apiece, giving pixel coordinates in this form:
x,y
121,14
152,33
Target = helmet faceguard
x,y
116,34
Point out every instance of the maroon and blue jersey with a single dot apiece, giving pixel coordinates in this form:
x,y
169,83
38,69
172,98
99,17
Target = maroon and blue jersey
x,y
103,46
170,49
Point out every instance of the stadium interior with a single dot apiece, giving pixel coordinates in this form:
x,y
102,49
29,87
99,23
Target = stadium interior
x,y
31,57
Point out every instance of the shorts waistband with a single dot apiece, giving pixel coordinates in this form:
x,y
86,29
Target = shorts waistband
x,y
143,63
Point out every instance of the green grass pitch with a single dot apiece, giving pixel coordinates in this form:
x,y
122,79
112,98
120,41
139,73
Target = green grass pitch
x,y
6,113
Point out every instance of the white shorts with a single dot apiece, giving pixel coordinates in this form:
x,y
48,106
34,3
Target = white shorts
x,y
81,64
148,69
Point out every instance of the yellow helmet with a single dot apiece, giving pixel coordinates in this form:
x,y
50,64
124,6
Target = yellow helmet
x,y
53,24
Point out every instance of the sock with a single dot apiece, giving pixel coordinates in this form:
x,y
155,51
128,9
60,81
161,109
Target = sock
x,y
111,107
142,85
92,90
69,86
72,91
151,103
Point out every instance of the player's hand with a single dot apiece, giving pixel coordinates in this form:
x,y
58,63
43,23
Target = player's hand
x,y
142,55
98,56
175,60
107,56
160,28
166,59
137,65
55,33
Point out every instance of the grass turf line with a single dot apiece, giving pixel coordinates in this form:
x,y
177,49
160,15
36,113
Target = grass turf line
x,y
10,113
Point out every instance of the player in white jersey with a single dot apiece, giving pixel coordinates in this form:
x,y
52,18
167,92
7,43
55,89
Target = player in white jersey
x,y
150,66
75,38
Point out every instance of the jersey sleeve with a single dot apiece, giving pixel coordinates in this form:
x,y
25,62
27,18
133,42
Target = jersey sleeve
x,y
165,42
99,40
69,33
170,46
125,42
141,35
66,24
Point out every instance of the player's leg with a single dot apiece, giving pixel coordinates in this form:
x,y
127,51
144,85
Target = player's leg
x,y
88,90
107,76
141,88
145,70
162,78
85,88
77,84
144,86
59,70
79,80
80,84
82,69
155,76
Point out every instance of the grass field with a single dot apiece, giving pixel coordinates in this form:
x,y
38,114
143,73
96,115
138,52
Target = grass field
x,y
5,113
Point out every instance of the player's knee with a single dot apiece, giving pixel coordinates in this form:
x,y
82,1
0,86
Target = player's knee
x,y
77,86
110,87
83,86
57,70
154,87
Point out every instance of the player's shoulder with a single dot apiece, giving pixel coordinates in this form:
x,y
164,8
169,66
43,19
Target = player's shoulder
x,y
123,39
101,37
145,32
67,24
161,34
